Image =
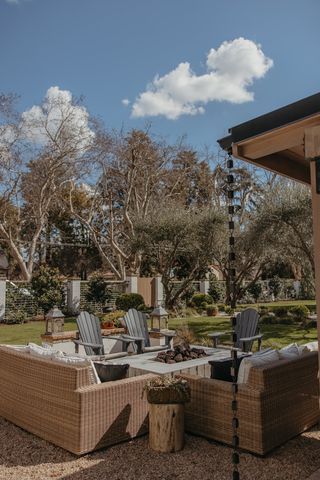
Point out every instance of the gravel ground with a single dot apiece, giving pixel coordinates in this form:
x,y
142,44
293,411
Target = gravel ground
x,y
26,457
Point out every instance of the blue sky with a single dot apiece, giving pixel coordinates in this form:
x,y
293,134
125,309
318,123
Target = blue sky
x,y
110,50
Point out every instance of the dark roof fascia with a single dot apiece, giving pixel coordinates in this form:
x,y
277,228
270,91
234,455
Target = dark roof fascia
x,y
277,118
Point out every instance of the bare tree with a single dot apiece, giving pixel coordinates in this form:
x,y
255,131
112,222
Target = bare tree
x,y
133,178
41,151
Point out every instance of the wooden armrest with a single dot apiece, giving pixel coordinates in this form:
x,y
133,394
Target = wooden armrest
x,y
125,338
87,344
250,339
217,334
169,334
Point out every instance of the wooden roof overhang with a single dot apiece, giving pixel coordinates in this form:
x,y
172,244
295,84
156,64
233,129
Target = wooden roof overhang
x,y
277,141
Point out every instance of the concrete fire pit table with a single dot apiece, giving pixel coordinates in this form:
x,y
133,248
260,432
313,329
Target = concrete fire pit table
x,y
146,363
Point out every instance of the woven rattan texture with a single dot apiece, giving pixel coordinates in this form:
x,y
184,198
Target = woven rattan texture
x,y
58,403
278,402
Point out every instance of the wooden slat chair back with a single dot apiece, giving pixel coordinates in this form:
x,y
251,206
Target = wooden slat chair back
x,y
247,326
90,332
137,326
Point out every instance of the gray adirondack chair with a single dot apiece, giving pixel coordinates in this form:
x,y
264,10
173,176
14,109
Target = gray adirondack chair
x,y
90,335
137,326
247,330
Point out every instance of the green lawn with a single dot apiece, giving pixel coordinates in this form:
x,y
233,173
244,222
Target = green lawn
x,y
28,332
274,335
282,303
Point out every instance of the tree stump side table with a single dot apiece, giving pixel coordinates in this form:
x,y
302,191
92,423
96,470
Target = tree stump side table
x,y
166,397
166,427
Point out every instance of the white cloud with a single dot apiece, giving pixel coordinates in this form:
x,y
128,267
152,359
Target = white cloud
x,y
231,69
58,120
14,2
125,102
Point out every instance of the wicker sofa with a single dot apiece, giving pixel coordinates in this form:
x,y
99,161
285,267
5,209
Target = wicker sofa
x,y
279,401
61,403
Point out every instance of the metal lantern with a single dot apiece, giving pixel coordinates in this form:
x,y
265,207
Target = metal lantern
x,y
159,316
54,321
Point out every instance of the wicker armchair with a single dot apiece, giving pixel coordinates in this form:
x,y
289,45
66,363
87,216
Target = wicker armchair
x,y
280,401
61,404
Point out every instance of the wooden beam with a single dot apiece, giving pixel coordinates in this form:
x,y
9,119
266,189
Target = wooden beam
x,y
281,138
278,163
278,142
312,142
316,239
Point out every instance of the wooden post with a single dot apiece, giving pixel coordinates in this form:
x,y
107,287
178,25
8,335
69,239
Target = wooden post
x,y
166,427
312,150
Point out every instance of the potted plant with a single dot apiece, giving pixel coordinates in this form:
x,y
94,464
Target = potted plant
x,y
167,390
212,310
105,324
112,319
166,397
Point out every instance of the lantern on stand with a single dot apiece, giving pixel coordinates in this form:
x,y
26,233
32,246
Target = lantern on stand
x,y
159,319
54,321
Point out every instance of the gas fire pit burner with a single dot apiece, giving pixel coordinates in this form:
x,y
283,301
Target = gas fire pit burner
x,y
180,354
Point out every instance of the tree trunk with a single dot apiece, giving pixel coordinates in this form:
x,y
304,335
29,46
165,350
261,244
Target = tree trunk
x,y
166,427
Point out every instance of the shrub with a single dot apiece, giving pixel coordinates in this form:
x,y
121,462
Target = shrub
x,y
98,291
299,312
263,310
286,320
275,286
229,310
200,300
188,312
221,307
255,290
212,310
217,290
129,300
15,316
47,288
144,308
279,311
271,319
268,319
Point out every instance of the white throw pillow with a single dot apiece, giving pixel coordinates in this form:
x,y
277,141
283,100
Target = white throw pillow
x,y
44,352
289,351
303,350
77,361
257,359
312,346
20,348
69,360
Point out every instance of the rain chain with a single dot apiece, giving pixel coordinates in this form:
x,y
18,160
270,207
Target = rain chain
x,y
232,291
